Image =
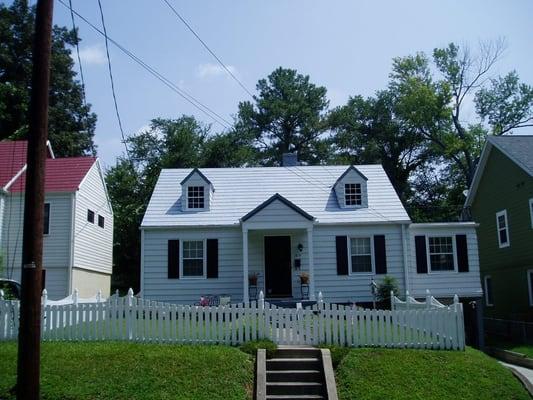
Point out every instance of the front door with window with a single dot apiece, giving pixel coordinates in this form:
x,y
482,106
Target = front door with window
x,y
278,279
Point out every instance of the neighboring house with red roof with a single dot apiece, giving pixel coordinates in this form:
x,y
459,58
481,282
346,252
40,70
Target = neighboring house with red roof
x,y
78,242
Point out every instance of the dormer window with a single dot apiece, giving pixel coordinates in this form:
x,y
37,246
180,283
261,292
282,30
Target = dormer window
x,y
352,194
195,197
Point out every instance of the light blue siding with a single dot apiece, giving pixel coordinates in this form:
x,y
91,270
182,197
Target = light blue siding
x,y
93,248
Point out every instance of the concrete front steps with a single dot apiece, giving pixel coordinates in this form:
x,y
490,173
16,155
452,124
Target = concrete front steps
x,y
295,373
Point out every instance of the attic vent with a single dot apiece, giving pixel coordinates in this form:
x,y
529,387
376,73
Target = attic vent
x,y
290,160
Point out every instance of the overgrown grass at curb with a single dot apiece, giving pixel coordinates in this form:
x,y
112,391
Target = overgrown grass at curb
x,y
111,370
376,374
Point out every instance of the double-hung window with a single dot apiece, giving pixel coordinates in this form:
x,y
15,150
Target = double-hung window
x,y
361,255
502,227
352,194
193,258
441,253
195,197
489,300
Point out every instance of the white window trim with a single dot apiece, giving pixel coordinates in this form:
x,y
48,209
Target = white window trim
x,y
531,211
204,276
487,292
344,193
187,208
500,244
428,255
372,258
49,219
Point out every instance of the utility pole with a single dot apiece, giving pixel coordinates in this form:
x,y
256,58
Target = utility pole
x,y
29,346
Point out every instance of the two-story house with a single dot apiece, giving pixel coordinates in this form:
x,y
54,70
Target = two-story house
x,y
501,202
78,222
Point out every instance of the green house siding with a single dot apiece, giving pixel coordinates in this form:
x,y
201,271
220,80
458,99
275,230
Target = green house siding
x,y
505,186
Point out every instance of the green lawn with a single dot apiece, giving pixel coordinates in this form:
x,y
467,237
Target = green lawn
x,y
111,370
376,374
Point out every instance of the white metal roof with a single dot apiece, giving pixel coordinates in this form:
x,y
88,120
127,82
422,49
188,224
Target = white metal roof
x,y
240,190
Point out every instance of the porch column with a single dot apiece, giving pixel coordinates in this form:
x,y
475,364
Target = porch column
x,y
245,264
311,263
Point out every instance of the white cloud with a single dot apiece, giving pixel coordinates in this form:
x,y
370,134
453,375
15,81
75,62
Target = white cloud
x,y
208,70
93,55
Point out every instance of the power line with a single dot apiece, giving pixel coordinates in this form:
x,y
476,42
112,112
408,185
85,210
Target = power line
x,y
182,93
208,49
110,69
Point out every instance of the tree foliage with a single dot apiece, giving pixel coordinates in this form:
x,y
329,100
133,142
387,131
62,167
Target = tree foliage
x,y
287,115
71,123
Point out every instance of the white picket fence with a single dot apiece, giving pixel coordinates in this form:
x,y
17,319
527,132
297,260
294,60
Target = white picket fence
x,y
133,319
411,303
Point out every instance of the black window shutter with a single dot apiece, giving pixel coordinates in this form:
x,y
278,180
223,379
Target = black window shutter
x,y
342,255
462,252
421,255
212,258
380,254
173,259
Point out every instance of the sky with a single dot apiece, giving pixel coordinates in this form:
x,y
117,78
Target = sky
x,y
346,46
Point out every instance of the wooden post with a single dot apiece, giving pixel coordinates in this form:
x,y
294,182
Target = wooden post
x,y
44,297
99,296
2,294
311,258
407,299
29,343
392,299
75,297
245,264
428,299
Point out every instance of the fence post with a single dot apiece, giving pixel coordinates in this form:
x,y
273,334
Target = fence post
x,y
428,299
128,314
320,301
407,299
455,302
261,300
75,297
2,294
44,297
392,300
99,296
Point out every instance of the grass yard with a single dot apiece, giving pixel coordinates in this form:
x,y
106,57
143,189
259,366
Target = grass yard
x,y
111,370
376,374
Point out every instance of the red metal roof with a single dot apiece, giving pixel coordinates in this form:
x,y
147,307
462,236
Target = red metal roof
x,y
62,174
12,159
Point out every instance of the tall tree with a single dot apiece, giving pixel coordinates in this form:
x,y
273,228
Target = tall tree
x,y
288,114
366,131
71,123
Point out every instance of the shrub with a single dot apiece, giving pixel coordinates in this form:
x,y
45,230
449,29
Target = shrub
x,y
387,285
251,347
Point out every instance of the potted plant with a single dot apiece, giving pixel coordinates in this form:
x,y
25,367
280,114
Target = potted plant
x,y
252,279
304,278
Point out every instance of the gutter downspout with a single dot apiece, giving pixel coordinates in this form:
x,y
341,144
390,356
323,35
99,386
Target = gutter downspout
x,y
405,259
72,241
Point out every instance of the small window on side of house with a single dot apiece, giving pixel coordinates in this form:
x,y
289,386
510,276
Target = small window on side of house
x,y
195,197
352,194
502,227
90,216
46,222
101,221
441,253
489,300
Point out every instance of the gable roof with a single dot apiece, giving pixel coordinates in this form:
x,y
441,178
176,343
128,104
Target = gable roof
x,y
240,190
13,159
282,199
518,148
350,168
61,175
197,171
